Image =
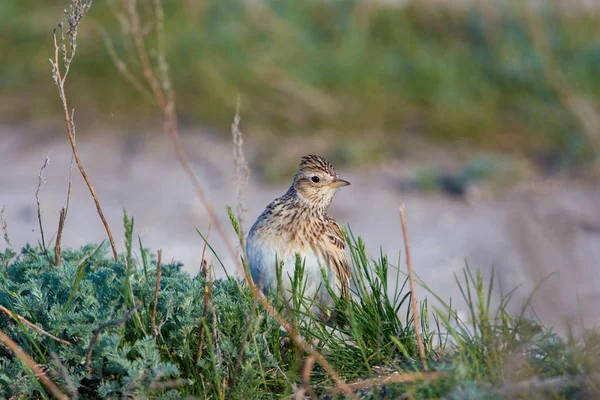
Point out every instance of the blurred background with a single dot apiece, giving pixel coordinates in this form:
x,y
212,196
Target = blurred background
x,y
481,117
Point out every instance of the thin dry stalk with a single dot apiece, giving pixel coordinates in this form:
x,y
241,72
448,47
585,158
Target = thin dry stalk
x,y
164,96
300,341
98,330
413,295
74,15
39,210
306,388
397,377
156,290
4,228
65,210
224,390
61,225
31,325
121,65
203,262
215,338
207,274
30,362
242,172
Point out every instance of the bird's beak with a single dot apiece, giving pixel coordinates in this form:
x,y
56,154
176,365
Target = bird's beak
x,y
339,183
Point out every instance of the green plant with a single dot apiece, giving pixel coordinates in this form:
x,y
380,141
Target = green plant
x,y
244,353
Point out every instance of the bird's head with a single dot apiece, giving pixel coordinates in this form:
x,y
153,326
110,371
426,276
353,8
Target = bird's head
x,y
316,181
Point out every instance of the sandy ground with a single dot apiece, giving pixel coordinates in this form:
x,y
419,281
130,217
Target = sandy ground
x,y
525,234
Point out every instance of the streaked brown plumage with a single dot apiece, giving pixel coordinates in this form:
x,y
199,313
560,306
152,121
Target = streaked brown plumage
x,y
298,223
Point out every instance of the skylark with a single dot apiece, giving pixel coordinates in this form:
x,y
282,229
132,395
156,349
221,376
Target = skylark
x,y
297,223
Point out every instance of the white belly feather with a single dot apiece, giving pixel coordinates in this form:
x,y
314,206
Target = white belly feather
x,y
263,260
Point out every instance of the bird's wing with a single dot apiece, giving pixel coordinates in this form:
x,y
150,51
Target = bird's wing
x,y
340,261
335,234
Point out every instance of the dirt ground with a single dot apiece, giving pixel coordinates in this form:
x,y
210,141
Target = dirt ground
x,y
525,234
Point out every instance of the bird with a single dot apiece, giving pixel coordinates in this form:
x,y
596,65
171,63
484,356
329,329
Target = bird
x,y
297,223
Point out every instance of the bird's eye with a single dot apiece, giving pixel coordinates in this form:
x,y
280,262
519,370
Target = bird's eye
x,y
315,179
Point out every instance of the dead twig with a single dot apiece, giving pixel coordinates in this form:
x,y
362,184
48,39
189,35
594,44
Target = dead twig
x,y
98,330
30,362
65,210
413,295
74,15
31,325
4,228
39,211
156,290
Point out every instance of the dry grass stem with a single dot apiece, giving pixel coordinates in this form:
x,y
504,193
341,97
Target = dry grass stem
x,y
61,225
64,211
164,96
31,325
39,210
4,228
215,337
397,377
306,387
413,295
98,330
203,262
242,172
74,15
204,313
300,341
122,65
207,274
156,290
30,362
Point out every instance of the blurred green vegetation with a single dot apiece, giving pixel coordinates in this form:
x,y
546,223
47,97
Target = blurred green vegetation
x,y
343,69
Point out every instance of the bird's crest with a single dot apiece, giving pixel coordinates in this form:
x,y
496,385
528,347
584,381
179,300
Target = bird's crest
x,y
316,163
